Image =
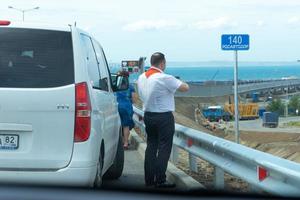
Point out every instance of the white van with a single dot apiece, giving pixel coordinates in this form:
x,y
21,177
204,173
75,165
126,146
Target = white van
x,y
59,121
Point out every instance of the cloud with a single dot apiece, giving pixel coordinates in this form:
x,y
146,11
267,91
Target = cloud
x,y
221,22
152,25
274,4
260,23
294,20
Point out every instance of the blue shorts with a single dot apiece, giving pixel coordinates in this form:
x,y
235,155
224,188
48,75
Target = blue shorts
x,y
126,117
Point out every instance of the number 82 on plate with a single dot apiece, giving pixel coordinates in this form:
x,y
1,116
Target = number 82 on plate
x,y
9,142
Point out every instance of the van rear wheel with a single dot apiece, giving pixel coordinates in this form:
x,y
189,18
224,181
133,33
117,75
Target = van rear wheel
x,y
115,171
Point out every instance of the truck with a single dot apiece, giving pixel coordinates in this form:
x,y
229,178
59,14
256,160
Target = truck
x,y
246,111
216,113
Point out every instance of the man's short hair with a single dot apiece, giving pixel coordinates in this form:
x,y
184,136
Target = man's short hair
x,y
157,58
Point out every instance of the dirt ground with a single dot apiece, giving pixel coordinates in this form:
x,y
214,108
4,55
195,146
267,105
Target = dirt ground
x,y
282,144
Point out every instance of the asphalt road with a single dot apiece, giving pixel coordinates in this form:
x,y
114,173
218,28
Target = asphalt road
x,y
133,173
256,125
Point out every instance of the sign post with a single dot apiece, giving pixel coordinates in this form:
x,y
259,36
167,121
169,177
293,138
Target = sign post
x,y
236,98
234,42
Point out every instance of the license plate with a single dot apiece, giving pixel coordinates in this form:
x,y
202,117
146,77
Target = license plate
x,y
9,142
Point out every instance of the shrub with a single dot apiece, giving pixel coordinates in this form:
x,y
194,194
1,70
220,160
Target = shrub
x,y
276,106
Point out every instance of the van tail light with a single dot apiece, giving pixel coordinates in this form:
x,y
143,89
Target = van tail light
x,y
82,113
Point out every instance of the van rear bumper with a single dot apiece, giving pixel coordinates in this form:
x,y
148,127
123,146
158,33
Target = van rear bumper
x,y
78,177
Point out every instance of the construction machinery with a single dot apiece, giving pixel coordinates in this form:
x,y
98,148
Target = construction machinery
x,y
202,120
246,110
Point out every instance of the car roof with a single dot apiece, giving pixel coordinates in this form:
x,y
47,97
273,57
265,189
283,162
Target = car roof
x,y
43,26
37,25
214,107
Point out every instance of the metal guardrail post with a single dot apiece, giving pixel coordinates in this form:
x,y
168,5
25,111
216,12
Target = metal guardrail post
x,y
219,178
174,154
193,163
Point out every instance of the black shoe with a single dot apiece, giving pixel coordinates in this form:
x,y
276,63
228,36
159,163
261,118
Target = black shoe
x,y
165,184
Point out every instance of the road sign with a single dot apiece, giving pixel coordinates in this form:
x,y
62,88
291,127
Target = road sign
x,y
235,42
134,66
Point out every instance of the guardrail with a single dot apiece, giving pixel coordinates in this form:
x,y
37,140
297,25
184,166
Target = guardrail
x,y
264,172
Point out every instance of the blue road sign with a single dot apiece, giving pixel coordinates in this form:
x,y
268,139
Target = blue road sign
x,y
235,42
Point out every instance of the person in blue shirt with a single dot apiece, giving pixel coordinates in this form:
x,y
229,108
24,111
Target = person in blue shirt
x,y
125,100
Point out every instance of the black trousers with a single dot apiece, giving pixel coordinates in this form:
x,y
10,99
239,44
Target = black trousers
x,y
160,128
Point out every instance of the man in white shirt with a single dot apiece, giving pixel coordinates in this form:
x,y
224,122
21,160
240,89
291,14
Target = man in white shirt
x,y
156,90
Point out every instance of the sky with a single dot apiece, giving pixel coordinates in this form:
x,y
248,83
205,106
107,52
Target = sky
x,y
184,30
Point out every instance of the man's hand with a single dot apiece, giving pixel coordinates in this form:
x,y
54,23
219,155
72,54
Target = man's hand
x,y
184,87
134,97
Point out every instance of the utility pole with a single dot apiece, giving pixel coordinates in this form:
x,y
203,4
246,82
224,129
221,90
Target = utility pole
x,y
23,10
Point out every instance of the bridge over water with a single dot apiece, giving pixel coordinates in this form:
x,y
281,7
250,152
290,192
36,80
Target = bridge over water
x,y
213,89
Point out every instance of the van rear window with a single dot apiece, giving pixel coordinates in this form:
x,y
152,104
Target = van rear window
x,y
33,58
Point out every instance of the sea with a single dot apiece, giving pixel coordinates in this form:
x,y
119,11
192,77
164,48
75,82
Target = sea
x,y
193,72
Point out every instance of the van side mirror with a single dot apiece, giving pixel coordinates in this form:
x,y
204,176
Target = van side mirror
x,y
103,84
119,83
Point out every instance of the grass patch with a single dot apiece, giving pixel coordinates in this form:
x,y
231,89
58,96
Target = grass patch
x,y
292,124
